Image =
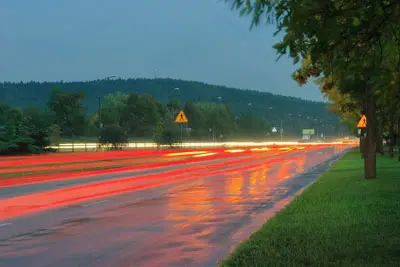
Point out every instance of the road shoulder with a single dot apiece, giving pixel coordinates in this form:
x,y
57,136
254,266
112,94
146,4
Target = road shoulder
x,y
340,220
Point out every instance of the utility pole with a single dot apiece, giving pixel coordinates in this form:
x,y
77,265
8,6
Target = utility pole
x,y
281,130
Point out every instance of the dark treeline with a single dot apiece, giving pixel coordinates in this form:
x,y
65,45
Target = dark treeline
x,y
297,113
119,117
33,115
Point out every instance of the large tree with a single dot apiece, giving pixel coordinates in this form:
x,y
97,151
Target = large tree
x,y
197,120
23,131
113,107
141,114
69,111
345,40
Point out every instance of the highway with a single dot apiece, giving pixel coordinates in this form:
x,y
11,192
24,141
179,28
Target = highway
x,y
189,210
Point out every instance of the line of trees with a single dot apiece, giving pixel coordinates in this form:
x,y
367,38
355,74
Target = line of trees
x,y
352,50
295,114
142,116
120,117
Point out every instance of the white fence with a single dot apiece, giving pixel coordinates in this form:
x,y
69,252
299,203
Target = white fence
x,y
96,146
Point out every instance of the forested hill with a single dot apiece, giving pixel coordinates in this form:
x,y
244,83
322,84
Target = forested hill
x,y
272,107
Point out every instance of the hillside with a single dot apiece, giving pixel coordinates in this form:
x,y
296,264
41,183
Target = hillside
x,y
274,108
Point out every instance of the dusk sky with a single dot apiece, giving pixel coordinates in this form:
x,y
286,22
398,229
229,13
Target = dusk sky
x,y
201,40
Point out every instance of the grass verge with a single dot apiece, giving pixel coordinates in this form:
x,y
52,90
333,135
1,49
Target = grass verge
x,y
341,220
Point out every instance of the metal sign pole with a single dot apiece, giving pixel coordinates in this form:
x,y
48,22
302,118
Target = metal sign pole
x,y
181,134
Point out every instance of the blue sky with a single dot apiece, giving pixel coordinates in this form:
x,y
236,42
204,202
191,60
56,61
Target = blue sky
x,y
201,40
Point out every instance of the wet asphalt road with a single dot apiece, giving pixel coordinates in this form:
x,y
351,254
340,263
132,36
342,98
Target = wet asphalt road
x,y
194,222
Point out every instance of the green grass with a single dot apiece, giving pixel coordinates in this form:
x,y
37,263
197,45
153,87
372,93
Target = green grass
x,y
341,220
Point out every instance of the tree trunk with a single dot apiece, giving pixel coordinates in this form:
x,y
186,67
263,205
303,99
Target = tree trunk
x,y
362,143
391,138
379,135
370,155
398,141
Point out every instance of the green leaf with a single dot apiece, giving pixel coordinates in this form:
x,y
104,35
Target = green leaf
x,y
379,11
356,22
296,60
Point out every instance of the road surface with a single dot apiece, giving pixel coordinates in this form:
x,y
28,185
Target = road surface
x,y
184,215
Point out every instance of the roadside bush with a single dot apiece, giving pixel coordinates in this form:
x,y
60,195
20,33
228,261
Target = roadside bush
x,y
169,138
113,135
21,139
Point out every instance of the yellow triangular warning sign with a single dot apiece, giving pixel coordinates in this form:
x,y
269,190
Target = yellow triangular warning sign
x,y
181,118
362,122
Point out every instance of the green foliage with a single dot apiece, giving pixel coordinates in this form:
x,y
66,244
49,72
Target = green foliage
x,y
171,131
339,214
252,125
197,120
39,122
169,137
113,135
126,114
140,115
13,140
113,107
351,125
174,106
221,119
55,131
158,133
69,111
22,131
341,38
354,46
272,107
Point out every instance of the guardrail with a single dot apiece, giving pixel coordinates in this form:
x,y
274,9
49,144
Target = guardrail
x,y
71,147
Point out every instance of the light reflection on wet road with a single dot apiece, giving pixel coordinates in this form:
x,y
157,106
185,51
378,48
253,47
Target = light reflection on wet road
x,y
192,222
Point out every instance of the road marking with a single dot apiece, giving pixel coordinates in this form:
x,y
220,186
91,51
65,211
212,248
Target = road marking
x,y
4,224
94,203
